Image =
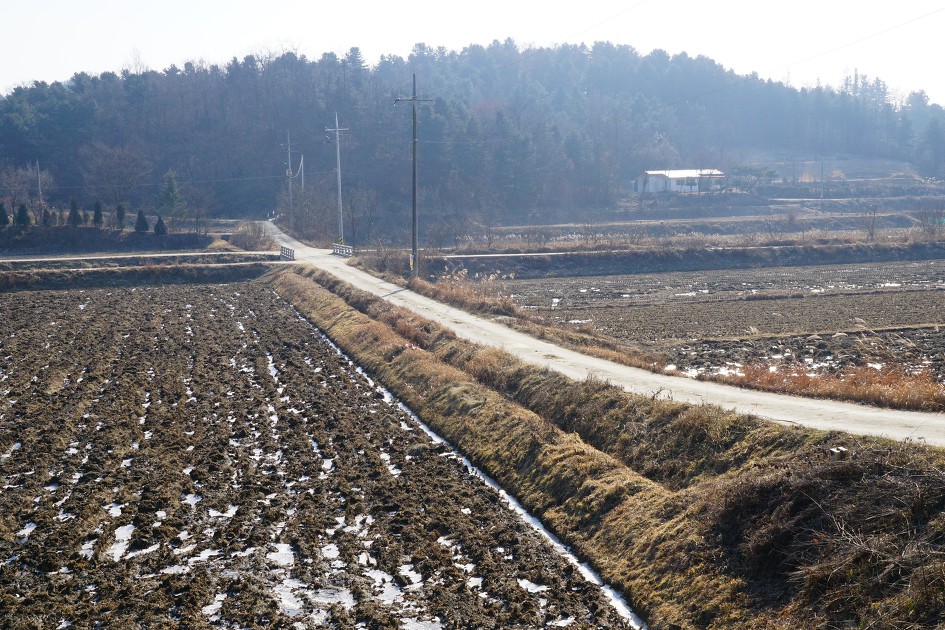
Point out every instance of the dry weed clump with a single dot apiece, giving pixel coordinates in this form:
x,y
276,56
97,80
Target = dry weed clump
x,y
252,236
855,539
887,387
479,295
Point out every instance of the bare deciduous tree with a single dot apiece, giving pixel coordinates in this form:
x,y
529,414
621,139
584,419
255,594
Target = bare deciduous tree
x,y
114,172
931,220
360,215
15,184
871,220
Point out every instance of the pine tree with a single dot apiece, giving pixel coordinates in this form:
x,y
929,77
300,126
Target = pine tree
x,y
170,201
120,216
97,217
23,216
159,228
74,217
141,225
4,217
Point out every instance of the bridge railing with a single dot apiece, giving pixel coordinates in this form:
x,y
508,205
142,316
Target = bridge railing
x,y
342,250
286,253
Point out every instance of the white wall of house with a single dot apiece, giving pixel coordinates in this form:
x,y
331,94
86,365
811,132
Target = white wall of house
x,y
679,181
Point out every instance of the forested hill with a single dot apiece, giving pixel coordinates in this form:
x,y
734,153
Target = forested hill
x,y
514,132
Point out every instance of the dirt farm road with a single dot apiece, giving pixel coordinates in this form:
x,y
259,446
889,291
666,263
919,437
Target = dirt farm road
x,y
819,414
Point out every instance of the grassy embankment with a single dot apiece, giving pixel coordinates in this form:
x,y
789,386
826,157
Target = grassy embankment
x,y
701,517
152,272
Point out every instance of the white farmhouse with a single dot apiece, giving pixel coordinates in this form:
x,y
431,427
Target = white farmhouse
x,y
683,180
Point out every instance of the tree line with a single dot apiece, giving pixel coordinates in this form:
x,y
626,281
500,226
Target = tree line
x,y
506,134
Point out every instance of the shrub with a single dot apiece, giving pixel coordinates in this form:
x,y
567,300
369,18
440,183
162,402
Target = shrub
x,y
251,236
22,216
141,225
74,217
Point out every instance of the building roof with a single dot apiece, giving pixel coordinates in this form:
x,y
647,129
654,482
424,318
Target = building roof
x,y
690,172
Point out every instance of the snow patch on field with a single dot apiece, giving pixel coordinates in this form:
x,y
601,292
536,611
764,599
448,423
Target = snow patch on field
x,y
13,448
283,555
88,548
230,512
531,587
211,610
122,540
24,534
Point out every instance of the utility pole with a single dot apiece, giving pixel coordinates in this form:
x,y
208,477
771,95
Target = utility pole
x,y
823,185
288,175
341,224
414,260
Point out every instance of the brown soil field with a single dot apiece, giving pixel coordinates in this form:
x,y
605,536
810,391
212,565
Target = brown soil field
x,y
201,456
823,317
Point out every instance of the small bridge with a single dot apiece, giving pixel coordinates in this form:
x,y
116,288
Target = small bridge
x,y
342,250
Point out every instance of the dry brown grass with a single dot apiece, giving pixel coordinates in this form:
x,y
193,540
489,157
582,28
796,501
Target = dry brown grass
x,y
887,387
481,297
252,236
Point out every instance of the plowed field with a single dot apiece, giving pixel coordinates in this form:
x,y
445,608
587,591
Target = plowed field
x,y
200,455
824,318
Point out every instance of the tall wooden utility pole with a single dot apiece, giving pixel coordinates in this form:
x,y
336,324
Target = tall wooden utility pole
x,y
288,175
341,224
414,259
39,185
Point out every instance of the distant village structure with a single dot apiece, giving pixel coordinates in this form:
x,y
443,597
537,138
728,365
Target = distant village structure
x,y
693,180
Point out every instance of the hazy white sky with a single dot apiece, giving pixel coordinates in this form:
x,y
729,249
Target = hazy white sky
x,y
801,41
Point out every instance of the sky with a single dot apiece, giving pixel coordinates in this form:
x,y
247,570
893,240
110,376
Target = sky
x,y
799,42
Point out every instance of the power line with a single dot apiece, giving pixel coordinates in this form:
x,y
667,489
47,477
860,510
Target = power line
x,y
862,39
